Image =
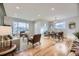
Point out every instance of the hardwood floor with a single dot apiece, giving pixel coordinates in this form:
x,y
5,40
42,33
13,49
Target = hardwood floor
x,y
46,48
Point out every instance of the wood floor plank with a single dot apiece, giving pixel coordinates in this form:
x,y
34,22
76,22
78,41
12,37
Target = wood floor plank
x,y
45,49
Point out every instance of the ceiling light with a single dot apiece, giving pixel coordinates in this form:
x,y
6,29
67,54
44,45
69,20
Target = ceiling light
x,y
52,9
17,7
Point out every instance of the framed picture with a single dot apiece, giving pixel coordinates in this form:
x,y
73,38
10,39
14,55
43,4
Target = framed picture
x,y
72,25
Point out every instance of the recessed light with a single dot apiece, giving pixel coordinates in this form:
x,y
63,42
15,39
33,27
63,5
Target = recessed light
x,y
17,7
52,9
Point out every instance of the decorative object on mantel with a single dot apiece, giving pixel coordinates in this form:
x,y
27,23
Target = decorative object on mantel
x,y
5,38
72,25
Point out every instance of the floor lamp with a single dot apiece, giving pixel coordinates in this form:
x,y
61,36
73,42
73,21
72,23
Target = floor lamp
x,y
4,30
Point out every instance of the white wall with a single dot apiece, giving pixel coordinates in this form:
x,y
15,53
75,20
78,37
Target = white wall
x,y
9,21
39,25
2,14
35,27
67,21
76,20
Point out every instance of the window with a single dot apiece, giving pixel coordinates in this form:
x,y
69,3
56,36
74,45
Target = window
x,y
20,26
60,25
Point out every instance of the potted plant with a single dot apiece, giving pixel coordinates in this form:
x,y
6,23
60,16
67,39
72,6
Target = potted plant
x,y
77,34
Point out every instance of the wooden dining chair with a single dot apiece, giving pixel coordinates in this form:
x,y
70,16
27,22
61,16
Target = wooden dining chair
x,y
35,39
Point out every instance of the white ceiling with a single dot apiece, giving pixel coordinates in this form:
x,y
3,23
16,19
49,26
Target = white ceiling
x,y
35,11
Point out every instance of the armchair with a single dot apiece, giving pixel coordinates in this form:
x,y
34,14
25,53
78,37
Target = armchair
x,y
35,39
